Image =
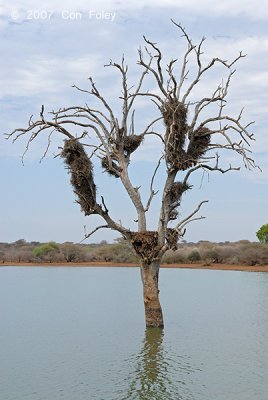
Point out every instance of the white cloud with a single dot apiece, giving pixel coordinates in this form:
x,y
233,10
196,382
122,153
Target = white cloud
x,y
43,75
47,69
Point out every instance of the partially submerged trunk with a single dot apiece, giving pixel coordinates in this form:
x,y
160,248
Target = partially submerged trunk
x,y
153,310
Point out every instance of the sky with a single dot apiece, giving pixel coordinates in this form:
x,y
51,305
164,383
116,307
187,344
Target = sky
x,y
48,46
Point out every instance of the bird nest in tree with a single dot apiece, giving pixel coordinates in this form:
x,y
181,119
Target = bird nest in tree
x,y
198,144
81,170
132,142
112,168
175,118
129,143
174,114
172,237
197,147
176,191
145,244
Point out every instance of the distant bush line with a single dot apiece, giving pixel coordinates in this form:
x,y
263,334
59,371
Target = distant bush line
x,y
242,252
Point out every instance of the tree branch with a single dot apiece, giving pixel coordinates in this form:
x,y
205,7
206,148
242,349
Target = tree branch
x,y
152,192
209,168
188,219
87,235
158,57
147,66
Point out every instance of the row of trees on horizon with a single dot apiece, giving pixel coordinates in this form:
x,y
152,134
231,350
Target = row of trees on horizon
x,y
242,252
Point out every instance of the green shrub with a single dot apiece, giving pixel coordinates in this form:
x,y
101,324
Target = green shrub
x,y
194,256
46,250
262,234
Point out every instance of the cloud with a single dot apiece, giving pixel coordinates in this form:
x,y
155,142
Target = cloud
x,y
229,8
43,69
42,75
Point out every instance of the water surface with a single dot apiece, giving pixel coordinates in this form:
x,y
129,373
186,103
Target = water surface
x,y
78,334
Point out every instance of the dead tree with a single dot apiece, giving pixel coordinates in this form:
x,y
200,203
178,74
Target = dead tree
x,y
190,139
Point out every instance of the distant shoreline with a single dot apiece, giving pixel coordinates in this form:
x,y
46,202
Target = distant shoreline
x,y
216,267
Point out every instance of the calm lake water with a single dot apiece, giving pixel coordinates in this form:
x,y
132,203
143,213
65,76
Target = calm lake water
x,y
78,334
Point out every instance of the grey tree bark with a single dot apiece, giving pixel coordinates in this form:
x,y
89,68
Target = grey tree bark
x,y
152,306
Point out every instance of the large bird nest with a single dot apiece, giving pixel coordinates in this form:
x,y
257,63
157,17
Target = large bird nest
x,y
174,115
175,118
81,170
176,191
172,237
129,143
132,142
197,147
198,144
112,168
145,244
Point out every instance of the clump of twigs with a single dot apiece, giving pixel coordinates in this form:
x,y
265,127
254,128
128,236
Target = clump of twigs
x,y
145,244
132,142
174,114
111,167
81,170
177,189
122,146
128,143
172,237
175,118
198,144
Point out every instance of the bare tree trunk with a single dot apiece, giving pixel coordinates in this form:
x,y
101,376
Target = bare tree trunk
x,y
153,310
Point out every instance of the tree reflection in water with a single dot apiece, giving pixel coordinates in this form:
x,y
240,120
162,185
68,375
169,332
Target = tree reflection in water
x,y
157,374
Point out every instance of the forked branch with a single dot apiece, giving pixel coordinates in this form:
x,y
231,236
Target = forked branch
x,y
180,226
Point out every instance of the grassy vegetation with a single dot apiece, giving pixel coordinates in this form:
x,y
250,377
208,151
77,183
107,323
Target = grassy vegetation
x,y
242,252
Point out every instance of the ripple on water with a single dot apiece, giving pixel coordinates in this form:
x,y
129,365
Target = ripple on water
x,y
155,372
